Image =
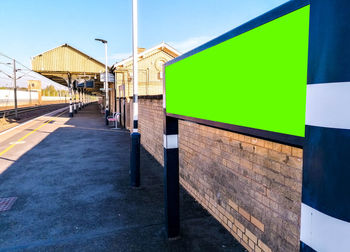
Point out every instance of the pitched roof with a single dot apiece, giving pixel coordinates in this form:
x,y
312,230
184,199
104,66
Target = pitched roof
x,y
74,49
171,50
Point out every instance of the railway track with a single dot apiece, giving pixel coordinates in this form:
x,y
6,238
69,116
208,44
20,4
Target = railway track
x,y
10,113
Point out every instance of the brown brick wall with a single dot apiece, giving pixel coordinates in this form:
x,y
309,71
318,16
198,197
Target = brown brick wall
x,y
151,127
252,186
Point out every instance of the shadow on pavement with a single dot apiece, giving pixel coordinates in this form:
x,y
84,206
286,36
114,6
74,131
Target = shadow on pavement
x,y
74,195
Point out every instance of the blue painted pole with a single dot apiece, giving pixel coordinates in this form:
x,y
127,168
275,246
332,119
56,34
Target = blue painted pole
x,y
135,160
325,210
171,171
75,101
171,178
106,115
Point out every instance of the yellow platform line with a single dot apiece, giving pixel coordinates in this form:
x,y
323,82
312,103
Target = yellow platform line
x,y
27,135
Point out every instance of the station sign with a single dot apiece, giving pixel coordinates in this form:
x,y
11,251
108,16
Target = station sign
x,y
110,77
86,84
90,84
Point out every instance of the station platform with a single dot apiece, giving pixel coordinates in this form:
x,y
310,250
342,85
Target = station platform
x,y
69,178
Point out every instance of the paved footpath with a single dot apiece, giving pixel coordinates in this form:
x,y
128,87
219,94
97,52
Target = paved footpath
x,y
71,180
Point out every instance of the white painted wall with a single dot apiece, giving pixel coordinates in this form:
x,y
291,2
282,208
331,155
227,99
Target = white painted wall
x,y
54,98
23,97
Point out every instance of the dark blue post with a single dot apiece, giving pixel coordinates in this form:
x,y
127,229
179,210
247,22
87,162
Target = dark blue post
x,y
75,100
135,159
171,171
325,211
106,115
171,177
79,93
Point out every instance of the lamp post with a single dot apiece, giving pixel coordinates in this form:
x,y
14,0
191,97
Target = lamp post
x,y
14,78
15,87
135,135
106,80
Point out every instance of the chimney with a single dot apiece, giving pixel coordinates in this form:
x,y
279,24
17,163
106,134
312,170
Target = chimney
x,y
140,50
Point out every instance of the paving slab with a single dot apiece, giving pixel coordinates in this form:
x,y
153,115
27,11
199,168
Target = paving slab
x,y
73,194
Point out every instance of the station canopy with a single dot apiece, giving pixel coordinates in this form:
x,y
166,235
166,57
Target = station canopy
x,y
66,62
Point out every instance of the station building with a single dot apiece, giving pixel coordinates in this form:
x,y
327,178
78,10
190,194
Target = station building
x,y
150,66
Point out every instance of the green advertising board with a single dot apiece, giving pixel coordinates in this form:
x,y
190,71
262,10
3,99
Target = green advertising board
x,y
256,79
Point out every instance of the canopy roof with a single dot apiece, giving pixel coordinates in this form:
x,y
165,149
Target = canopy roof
x,y
66,62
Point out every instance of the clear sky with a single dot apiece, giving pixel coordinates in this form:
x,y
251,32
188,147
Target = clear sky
x,y
30,27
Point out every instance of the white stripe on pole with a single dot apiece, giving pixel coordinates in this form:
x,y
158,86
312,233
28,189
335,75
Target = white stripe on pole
x,y
136,111
327,105
135,58
323,232
170,141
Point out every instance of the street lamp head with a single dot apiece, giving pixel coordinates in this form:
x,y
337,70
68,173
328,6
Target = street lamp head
x,y
101,40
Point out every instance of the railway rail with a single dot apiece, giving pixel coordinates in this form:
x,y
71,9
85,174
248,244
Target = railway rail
x,y
10,113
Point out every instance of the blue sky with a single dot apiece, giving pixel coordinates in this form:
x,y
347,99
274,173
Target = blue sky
x,y
29,27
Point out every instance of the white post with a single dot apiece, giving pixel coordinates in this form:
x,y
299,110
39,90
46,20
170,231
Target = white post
x,y
106,80
135,66
30,93
15,87
70,96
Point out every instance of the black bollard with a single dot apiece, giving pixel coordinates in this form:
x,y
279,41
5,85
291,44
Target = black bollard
x,y
135,159
106,116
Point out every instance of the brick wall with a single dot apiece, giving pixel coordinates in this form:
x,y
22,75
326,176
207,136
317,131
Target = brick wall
x,y
151,126
252,186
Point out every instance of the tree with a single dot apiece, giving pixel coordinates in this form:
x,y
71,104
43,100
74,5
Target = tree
x,y
49,91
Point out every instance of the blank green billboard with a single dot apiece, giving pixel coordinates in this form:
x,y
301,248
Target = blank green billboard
x,y
256,79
